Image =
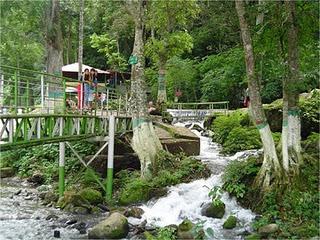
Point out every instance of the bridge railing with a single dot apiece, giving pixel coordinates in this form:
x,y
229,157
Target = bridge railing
x,y
24,91
197,110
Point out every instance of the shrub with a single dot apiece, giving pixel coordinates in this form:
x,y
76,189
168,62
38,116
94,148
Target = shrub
x,y
239,175
135,191
223,125
240,139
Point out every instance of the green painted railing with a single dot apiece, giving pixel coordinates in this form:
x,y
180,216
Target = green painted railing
x,y
28,91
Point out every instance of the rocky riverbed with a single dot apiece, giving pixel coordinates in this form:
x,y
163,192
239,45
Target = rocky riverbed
x,y
23,214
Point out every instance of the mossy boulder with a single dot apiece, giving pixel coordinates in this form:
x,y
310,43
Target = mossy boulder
x,y
6,172
50,197
185,230
114,227
134,212
230,223
91,195
135,192
71,201
214,210
268,229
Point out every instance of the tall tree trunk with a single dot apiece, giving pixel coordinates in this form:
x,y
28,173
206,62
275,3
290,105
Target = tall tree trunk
x,y
270,168
80,54
68,55
54,55
54,39
144,141
291,139
162,91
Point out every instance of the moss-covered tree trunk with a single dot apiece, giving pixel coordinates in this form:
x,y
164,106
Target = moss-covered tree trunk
x,y
291,131
271,167
144,141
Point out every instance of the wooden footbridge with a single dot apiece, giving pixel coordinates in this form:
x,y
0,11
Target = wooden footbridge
x,y
38,108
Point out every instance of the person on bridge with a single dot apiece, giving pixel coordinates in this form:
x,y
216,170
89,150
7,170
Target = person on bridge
x,y
86,78
92,86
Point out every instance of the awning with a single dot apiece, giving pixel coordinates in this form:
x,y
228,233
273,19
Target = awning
x,y
74,67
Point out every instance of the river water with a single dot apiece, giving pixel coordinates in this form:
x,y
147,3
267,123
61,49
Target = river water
x,y
186,200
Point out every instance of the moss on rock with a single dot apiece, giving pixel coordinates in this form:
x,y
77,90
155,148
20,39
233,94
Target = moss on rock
x,y
114,227
185,230
91,195
72,200
214,211
230,223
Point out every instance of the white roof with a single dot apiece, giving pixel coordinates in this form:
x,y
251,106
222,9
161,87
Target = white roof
x,y
74,67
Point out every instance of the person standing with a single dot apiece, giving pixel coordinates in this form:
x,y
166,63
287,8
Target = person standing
x,y
86,78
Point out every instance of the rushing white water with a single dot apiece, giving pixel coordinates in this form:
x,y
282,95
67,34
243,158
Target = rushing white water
x,y
186,200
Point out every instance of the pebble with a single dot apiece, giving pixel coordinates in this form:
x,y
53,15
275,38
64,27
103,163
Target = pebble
x,y
51,216
28,197
71,221
18,192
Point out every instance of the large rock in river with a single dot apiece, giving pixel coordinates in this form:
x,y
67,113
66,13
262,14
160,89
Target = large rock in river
x,y
114,227
214,211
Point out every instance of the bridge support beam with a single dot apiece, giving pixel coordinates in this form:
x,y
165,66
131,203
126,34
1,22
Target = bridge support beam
x,y
110,157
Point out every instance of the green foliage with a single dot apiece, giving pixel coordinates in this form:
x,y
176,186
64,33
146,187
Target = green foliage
x,y
166,233
182,74
238,176
223,125
240,139
230,223
135,191
44,159
215,194
173,45
107,46
198,232
22,41
91,195
222,77
310,107
291,207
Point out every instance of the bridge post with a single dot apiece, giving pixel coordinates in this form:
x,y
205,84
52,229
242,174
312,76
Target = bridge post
x,y
110,156
62,149
15,92
42,93
1,92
